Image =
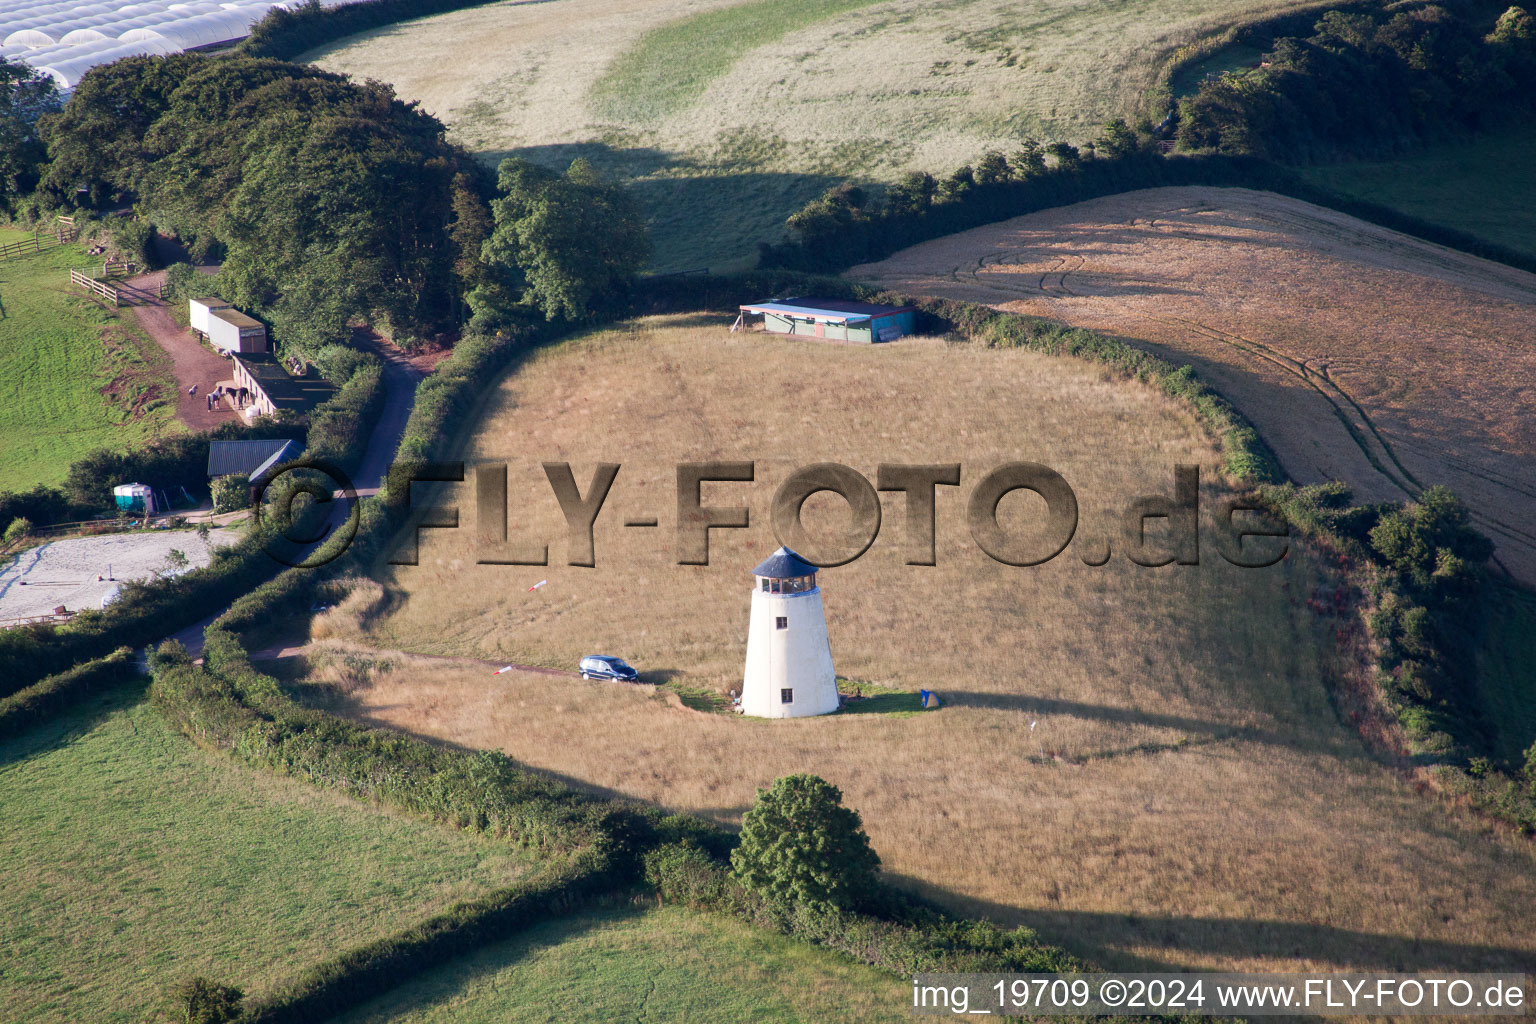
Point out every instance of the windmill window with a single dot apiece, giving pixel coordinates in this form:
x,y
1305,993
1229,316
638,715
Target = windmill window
x,y
781,622
786,696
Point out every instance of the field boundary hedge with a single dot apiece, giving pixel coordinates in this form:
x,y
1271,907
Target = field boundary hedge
x,y
355,976
40,701
882,233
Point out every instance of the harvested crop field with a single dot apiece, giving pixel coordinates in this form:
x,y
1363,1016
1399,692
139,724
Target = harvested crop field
x,y
728,117
1145,764
1361,354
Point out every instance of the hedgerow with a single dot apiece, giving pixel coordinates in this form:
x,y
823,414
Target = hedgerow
x,y
285,34
1422,571
26,707
849,226
902,938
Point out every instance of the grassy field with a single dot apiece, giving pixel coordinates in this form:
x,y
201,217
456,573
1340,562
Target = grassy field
x,y
1481,187
74,375
1142,763
727,117
133,859
1361,354
656,965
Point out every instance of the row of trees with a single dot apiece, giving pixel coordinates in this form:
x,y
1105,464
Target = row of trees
x,y
1365,83
849,224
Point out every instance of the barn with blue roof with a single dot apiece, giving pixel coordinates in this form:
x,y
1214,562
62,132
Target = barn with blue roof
x,y
832,319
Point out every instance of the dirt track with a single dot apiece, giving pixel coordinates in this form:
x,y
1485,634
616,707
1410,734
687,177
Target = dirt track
x,y
193,363
1361,354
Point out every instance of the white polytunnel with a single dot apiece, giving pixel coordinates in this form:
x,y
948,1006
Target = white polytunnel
x,y
67,73
65,39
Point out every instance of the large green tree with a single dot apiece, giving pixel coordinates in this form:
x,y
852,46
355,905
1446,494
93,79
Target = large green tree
x,y
564,244
25,96
799,844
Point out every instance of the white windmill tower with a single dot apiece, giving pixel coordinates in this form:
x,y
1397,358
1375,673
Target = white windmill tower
x,y
789,661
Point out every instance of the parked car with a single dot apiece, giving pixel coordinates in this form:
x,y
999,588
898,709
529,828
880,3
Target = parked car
x,y
600,666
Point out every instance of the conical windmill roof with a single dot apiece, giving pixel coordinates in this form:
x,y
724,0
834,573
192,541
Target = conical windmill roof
x,y
784,564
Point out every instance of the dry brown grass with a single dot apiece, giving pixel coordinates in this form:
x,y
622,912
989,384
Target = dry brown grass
x,y
1361,354
1187,797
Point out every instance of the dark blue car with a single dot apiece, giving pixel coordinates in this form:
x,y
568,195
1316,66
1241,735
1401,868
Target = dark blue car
x,y
600,666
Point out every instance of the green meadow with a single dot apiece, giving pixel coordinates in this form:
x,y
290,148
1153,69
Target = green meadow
x,y
75,374
134,859
629,964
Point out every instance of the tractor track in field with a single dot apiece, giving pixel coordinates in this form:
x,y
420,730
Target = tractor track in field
x,y
1412,351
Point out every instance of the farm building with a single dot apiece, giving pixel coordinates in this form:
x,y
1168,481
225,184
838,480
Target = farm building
x,y
253,460
225,326
835,319
270,389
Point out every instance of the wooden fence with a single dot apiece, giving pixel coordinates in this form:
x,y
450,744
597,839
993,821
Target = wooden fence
x,y
89,283
40,240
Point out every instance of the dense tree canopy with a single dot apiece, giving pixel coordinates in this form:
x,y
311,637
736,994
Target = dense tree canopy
x,y
562,244
329,200
24,97
1364,83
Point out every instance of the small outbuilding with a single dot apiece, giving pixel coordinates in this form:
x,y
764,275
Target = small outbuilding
x,y
228,329
253,460
833,319
199,310
134,498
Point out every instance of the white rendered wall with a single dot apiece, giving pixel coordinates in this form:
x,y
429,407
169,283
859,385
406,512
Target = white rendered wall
x,y
798,658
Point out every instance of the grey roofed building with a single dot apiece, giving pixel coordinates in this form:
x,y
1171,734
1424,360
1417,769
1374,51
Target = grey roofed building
x,y
250,459
784,564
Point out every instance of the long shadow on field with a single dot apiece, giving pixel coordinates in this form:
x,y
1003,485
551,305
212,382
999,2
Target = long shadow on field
x,y
1122,716
702,214
406,995
63,729
1106,939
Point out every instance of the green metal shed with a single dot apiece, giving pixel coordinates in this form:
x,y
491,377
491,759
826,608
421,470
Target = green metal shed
x,y
833,319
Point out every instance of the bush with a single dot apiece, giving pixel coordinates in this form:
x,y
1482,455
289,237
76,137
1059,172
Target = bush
x,y
20,527
339,430
201,1001
134,240
800,845
231,494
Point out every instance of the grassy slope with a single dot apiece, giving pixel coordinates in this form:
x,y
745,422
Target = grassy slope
x,y
1508,683
58,350
660,965
727,117
132,859
1482,187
